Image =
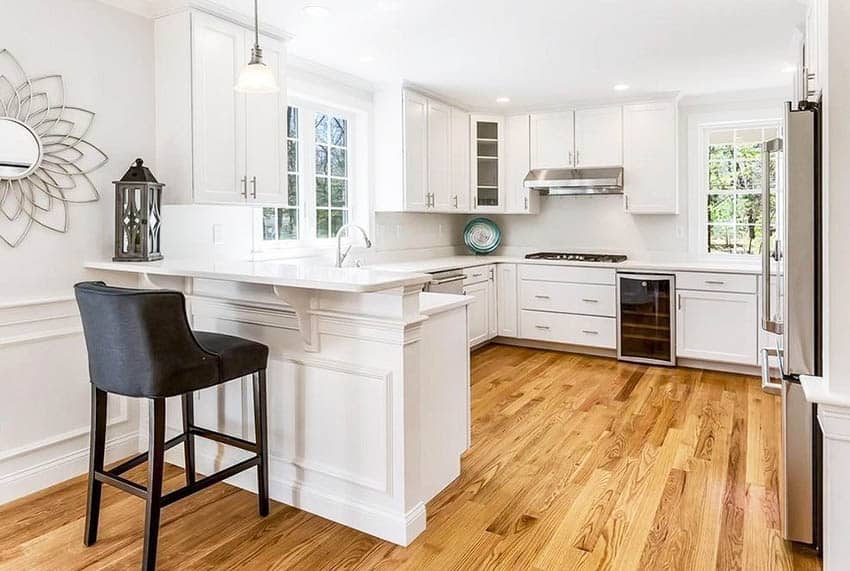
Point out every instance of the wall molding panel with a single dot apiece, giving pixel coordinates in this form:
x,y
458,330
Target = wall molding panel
x,y
43,353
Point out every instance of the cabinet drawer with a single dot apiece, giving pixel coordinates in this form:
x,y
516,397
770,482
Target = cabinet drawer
x,y
567,328
477,274
738,283
573,274
586,299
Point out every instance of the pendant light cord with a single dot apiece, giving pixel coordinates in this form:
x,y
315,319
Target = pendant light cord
x,y
256,25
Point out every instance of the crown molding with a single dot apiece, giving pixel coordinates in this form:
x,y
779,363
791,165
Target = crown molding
x,y
154,9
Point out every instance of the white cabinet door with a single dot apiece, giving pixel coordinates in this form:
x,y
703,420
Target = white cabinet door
x,y
552,140
218,112
518,199
506,300
266,132
649,158
479,328
459,160
717,326
492,320
439,155
415,151
599,137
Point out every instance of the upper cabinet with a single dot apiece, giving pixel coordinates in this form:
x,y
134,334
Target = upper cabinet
x,y
599,137
810,74
582,138
518,199
431,144
487,134
215,145
650,158
552,140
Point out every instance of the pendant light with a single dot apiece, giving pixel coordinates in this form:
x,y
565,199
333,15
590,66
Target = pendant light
x,y
256,77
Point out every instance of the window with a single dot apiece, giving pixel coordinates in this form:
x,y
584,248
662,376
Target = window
x,y
731,185
319,181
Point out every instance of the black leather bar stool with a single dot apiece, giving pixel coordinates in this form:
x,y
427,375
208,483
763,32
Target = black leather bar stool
x,y
140,345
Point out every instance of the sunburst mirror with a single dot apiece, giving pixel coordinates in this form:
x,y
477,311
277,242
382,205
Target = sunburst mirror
x,y
45,158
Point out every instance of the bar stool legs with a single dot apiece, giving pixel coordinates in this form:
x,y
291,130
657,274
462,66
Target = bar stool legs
x,y
262,441
98,448
189,444
155,457
156,462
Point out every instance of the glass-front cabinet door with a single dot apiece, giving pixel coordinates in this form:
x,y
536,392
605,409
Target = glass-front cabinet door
x,y
646,323
487,145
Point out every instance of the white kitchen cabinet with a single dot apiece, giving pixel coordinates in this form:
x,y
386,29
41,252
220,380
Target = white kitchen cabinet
x,y
717,326
650,172
214,145
599,137
439,155
518,199
479,314
552,140
506,300
811,73
416,194
487,136
459,160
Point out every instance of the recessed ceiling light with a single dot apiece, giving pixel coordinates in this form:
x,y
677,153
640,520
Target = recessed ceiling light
x,y
367,59
621,87
503,100
789,69
315,11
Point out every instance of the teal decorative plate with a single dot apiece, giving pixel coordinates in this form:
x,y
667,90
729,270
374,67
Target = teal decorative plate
x,y
482,236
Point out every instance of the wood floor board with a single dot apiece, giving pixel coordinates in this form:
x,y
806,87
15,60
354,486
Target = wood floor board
x,y
577,462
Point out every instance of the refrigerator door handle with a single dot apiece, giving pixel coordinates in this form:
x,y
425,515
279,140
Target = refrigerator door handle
x,y
768,385
769,147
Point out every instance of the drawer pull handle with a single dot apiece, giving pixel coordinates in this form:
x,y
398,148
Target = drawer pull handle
x,y
715,282
588,300
590,332
542,296
544,327
477,275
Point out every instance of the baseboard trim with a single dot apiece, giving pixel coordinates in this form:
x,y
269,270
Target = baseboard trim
x,y
56,470
397,527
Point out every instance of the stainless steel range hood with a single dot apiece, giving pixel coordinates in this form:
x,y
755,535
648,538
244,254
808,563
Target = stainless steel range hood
x,y
566,182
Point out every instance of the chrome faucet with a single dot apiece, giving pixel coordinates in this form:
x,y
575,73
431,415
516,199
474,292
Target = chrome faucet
x,y
340,255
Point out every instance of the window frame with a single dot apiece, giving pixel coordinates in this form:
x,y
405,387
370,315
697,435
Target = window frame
x,y
306,144
699,128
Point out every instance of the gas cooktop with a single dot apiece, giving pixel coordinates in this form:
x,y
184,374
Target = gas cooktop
x,y
570,257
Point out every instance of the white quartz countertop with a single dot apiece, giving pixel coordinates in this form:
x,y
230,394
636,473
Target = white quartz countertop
x,y
276,272
452,262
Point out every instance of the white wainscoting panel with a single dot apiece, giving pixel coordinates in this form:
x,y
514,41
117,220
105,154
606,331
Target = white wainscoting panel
x,y
44,415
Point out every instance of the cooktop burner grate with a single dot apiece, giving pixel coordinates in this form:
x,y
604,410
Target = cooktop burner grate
x,y
573,257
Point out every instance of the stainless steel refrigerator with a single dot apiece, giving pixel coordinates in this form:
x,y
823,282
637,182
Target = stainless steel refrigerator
x,y
792,310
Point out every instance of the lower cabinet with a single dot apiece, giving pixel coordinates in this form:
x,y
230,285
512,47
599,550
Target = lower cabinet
x,y
480,285
717,326
506,300
569,328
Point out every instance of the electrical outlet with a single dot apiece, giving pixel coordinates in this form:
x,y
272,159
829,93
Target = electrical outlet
x,y
218,234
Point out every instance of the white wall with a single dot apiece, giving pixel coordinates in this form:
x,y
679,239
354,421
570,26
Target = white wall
x,y
105,56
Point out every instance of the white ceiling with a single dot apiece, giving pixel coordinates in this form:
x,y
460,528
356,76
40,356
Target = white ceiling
x,y
542,53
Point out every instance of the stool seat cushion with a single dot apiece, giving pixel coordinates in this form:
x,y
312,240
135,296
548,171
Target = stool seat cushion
x,y
237,357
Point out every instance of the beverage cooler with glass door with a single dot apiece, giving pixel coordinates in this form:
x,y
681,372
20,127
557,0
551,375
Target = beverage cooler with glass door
x,y
646,322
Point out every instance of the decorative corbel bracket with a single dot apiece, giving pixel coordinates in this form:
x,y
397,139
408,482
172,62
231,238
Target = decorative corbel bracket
x,y
303,301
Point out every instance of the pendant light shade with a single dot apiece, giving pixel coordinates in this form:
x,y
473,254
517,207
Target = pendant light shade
x,y
256,77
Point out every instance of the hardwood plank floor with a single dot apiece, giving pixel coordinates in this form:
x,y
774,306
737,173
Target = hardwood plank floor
x,y
577,462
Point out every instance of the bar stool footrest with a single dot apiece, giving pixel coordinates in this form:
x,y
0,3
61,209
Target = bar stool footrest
x,y
208,481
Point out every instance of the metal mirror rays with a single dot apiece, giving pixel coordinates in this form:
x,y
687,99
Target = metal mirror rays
x,y
45,158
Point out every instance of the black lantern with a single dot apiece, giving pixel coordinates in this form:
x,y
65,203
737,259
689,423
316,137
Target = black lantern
x,y
138,215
